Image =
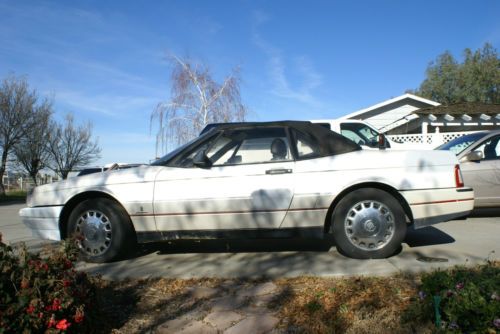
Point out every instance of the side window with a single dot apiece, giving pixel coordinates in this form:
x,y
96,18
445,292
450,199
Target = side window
x,y
187,160
251,146
490,148
306,147
359,133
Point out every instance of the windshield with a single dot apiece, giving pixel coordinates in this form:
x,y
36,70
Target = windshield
x,y
460,144
163,160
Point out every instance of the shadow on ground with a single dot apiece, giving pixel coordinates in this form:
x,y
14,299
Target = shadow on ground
x,y
427,236
485,212
236,246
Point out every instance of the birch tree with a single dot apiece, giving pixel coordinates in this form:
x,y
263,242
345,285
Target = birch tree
x,y
196,100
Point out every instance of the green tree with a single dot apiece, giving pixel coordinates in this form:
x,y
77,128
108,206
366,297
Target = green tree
x,y
476,79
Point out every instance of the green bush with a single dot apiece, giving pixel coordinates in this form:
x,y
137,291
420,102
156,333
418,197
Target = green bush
x,y
40,295
459,300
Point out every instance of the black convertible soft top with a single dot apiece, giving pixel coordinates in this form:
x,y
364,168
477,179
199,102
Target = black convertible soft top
x,y
329,142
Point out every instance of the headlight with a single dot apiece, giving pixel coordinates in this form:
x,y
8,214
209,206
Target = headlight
x,y
29,197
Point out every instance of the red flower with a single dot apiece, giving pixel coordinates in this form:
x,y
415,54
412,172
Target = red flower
x,y
68,264
63,325
66,283
45,267
78,318
56,305
30,309
51,322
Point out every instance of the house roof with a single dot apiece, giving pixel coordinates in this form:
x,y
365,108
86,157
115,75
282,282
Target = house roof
x,y
391,101
470,108
462,115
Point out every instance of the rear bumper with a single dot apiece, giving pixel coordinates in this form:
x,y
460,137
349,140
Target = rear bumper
x,y
42,221
439,205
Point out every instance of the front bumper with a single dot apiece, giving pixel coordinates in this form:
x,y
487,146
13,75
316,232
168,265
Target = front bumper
x,y
42,221
439,205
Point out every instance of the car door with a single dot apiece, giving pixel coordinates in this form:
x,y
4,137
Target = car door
x,y
247,183
484,175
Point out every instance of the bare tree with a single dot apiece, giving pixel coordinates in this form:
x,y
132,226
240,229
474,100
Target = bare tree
x,y
196,100
31,152
17,110
71,146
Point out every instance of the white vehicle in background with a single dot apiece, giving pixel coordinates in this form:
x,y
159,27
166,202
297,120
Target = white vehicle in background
x,y
364,134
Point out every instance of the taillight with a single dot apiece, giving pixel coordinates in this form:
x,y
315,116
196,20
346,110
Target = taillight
x,y
459,181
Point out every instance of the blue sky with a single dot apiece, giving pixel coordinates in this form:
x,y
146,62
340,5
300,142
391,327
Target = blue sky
x,y
105,60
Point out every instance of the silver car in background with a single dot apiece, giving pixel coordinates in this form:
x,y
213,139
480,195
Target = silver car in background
x,y
479,156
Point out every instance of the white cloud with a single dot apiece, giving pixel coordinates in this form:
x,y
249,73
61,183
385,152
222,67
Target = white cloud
x,y
107,104
282,86
137,138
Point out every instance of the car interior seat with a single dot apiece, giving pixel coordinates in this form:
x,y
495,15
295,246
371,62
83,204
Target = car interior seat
x,y
490,151
278,149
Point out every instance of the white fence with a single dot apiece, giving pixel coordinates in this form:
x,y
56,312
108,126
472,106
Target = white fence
x,y
430,139
25,183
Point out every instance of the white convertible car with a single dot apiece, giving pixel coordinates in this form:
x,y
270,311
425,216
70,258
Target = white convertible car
x,y
273,179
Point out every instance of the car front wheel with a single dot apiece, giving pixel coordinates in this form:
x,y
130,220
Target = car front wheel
x,y
368,224
103,229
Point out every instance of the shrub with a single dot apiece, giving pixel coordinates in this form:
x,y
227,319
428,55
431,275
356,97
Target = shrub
x,y
459,300
43,294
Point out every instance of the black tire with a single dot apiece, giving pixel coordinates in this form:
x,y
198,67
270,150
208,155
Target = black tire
x,y
103,228
368,223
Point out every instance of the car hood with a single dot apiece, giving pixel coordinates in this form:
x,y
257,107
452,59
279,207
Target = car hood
x,y
120,176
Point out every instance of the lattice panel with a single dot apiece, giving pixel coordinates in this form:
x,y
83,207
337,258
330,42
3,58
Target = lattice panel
x,y
431,138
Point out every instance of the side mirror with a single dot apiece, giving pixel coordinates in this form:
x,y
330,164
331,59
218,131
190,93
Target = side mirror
x,y
473,156
201,160
383,143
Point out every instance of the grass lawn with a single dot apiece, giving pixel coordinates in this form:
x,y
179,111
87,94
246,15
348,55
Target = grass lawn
x,y
303,304
13,196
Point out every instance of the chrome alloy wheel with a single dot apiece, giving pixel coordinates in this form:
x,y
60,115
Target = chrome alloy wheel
x,y
95,230
369,225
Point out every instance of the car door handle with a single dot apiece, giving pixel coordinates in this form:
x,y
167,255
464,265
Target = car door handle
x,y
278,171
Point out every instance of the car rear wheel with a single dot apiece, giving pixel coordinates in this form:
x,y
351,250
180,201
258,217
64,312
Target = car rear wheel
x,y
368,224
103,229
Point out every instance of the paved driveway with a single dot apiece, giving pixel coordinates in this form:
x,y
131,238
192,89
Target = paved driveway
x,y
10,225
465,242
